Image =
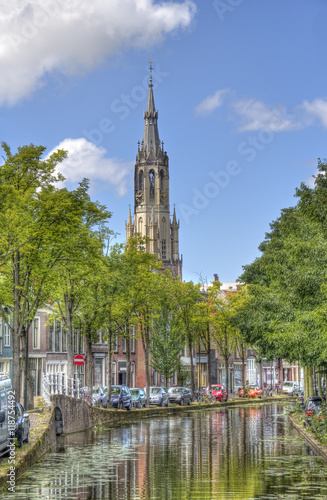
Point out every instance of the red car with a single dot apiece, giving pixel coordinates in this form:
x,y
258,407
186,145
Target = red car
x,y
254,391
218,391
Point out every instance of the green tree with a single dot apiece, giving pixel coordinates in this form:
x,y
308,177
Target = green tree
x,y
35,225
188,295
288,281
168,337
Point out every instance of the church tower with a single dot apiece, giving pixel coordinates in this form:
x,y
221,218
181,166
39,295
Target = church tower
x,y
151,195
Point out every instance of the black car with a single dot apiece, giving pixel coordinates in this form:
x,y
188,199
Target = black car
x,y
22,426
121,397
180,395
139,399
99,396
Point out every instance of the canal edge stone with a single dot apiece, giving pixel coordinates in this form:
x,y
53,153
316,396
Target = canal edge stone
x,y
322,450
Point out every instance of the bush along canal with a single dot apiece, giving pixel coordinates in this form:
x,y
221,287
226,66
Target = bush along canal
x,y
241,452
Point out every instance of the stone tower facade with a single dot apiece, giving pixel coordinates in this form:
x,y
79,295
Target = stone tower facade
x,y
151,195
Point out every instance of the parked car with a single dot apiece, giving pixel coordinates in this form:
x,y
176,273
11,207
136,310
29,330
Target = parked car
x,y
180,395
121,397
22,426
218,391
291,388
300,398
255,391
158,396
313,405
99,396
7,398
139,399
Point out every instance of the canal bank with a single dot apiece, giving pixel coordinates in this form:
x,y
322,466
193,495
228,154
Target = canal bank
x,y
77,415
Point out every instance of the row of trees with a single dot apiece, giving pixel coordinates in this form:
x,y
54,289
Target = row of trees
x,y
56,248
285,316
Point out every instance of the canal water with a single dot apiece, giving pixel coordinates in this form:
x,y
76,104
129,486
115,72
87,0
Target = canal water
x,y
247,452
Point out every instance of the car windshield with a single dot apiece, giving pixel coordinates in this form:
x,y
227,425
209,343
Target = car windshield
x,y
134,392
115,390
155,390
216,387
176,390
288,384
95,390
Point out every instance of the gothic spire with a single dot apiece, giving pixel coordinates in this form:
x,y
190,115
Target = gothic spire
x,y
151,134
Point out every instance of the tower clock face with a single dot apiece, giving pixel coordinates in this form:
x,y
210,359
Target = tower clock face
x,y
139,197
164,197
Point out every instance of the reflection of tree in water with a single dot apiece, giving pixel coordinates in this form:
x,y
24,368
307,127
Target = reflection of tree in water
x,y
248,452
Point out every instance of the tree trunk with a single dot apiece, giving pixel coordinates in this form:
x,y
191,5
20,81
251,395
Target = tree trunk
x,y
16,333
209,359
193,388
145,335
243,367
109,342
89,357
70,343
311,387
128,358
319,383
227,374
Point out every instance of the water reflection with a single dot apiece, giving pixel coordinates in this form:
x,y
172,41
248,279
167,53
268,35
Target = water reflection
x,y
241,453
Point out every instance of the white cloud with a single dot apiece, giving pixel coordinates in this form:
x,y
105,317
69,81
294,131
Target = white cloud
x,y
85,160
211,102
316,109
40,37
257,115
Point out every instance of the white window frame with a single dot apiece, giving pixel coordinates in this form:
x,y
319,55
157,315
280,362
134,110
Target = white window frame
x,y
133,340
6,335
36,332
113,373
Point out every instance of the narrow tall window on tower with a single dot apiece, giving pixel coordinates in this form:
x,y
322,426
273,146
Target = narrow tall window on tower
x,y
163,249
151,179
162,176
141,180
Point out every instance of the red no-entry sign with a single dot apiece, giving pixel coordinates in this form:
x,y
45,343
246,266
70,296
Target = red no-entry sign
x,y
79,359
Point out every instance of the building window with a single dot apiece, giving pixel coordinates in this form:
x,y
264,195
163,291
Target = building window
x,y
115,344
64,340
133,340
51,335
141,180
113,374
81,344
250,371
163,249
162,176
6,334
58,336
75,340
124,344
36,333
151,180
132,374
1,345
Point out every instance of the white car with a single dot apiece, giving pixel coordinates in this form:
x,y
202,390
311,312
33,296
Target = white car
x,y
290,388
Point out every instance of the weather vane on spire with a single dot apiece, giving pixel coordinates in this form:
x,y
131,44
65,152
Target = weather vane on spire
x,y
150,68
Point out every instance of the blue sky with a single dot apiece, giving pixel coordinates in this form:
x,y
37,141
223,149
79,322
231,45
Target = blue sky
x,y
240,87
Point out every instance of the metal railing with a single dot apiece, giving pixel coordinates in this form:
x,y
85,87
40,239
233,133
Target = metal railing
x,y
59,383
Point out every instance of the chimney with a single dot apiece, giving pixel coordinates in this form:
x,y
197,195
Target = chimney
x,y
216,277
